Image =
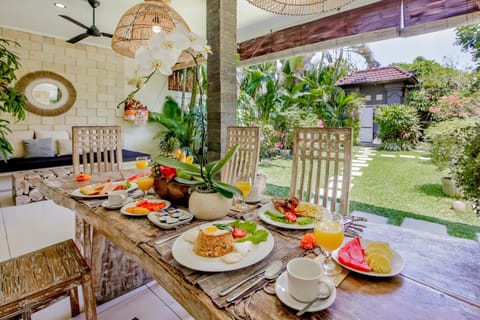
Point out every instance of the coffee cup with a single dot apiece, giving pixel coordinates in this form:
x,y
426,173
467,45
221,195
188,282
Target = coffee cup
x,y
117,198
304,279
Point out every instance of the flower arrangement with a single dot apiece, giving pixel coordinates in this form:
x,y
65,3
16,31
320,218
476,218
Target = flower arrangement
x,y
134,110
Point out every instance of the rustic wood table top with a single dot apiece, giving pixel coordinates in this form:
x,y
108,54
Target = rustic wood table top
x,y
441,279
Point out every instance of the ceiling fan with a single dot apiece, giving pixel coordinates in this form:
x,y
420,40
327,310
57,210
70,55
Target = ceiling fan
x,y
90,31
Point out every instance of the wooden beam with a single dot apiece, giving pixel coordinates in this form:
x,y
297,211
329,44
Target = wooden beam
x,y
379,18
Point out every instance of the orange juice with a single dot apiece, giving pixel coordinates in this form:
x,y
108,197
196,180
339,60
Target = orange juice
x,y
141,164
145,183
329,235
244,186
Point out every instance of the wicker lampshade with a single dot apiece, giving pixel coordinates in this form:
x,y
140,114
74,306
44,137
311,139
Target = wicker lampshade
x,y
136,26
300,7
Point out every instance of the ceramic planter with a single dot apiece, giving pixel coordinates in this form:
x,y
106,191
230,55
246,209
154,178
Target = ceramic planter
x,y
209,206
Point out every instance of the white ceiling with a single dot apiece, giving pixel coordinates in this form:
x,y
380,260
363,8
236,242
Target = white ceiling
x,y
41,17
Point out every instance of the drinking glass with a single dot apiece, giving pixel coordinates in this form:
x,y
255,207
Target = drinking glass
x,y
144,184
244,183
328,232
141,163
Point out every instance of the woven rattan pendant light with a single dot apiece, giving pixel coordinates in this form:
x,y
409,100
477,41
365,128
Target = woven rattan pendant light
x,y
137,25
300,7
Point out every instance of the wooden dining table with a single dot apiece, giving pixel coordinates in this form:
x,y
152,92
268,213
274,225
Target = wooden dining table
x,y
441,278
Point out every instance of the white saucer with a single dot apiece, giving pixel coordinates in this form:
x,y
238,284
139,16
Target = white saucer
x,y
107,205
281,289
253,200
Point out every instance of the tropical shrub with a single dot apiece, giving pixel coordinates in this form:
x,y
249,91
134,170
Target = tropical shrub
x,y
455,106
178,129
466,168
398,127
445,140
12,101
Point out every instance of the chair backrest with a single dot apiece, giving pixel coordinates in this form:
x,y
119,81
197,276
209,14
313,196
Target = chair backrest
x,y
245,160
96,149
322,167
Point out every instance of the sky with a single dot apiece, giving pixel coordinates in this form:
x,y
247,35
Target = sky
x,y
438,46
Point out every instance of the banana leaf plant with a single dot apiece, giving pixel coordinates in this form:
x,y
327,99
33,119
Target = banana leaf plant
x,y
204,176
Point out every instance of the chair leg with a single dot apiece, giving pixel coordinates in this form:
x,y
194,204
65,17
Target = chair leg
x,y
74,302
89,297
27,314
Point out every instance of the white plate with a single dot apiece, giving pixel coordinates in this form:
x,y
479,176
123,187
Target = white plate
x,y
76,193
265,218
398,263
134,204
107,204
172,222
182,251
281,289
253,200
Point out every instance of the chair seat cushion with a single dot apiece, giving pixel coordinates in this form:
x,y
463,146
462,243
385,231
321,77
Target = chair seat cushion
x,y
18,164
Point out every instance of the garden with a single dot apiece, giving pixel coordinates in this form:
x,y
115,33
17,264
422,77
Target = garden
x,y
439,118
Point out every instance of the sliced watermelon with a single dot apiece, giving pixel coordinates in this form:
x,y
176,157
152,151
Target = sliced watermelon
x,y
352,255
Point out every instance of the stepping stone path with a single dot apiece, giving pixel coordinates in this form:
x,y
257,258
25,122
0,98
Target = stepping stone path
x,y
359,161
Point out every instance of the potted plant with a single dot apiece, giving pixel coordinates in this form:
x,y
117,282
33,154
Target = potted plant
x,y
11,100
466,168
211,199
446,140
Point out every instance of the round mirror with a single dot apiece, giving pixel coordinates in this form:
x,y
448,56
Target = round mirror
x,y
47,93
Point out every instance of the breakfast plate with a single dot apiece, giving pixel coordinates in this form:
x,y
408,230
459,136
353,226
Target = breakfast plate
x,y
397,263
281,289
267,219
124,211
107,204
167,220
183,253
77,194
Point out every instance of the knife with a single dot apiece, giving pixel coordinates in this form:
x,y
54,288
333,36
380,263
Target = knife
x,y
227,290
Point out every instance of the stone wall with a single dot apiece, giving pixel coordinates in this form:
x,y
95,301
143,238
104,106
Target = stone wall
x,y
96,73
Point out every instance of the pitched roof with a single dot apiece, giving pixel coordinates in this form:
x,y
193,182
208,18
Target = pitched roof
x,y
377,75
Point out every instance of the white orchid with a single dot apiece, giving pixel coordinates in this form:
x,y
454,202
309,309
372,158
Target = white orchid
x,y
148,60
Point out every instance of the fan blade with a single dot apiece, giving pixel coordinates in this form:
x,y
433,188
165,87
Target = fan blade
x,y
78,38
73,21
108,35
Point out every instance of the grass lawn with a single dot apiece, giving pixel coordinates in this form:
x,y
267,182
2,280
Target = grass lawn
x,y
392,187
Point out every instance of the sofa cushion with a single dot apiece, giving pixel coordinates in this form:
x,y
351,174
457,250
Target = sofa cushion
x,y
16,140
55,135
64,147
38,148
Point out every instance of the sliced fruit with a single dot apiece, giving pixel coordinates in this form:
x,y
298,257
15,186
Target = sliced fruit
x,y
379,263
351,255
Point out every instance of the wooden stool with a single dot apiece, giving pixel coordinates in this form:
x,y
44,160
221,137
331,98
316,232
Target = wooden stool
x,y
34,280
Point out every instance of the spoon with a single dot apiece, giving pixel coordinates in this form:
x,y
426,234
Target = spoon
x,y
271,272
323,295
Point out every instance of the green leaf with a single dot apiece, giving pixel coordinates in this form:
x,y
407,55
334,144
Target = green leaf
x,y
256,237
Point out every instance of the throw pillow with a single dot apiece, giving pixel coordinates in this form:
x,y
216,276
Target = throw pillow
x,y
38,148
54,134
64,147
16,140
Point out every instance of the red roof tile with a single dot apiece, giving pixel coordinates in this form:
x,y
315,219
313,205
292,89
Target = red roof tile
x,y
385,74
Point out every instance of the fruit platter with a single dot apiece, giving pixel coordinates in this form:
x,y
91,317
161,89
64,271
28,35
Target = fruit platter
x,y
371,258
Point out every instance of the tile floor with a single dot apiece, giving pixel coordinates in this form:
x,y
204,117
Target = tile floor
x,y
32,226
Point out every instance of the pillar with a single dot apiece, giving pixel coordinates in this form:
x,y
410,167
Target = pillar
x,y
222,83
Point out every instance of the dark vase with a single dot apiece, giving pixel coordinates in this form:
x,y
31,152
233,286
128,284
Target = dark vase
x,y
175,192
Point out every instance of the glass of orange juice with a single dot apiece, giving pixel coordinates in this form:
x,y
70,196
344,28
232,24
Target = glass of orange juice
x,y
328,232
141,163
244,183
144,184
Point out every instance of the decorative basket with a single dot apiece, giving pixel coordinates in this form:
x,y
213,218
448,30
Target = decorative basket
x,y
175,192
